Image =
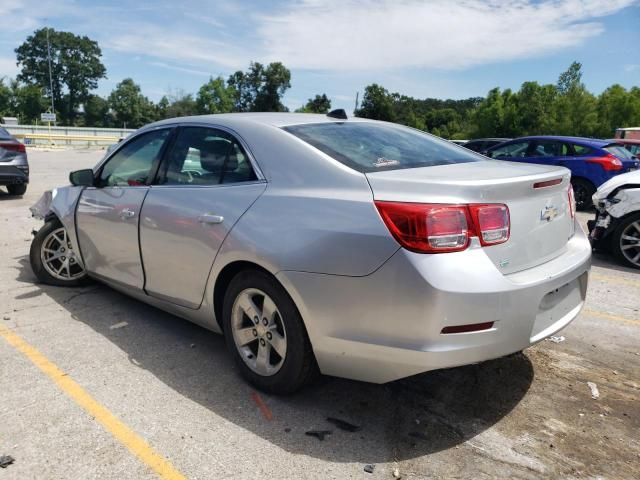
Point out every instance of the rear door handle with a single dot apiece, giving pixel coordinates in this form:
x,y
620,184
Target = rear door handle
x,y
127,213
210,219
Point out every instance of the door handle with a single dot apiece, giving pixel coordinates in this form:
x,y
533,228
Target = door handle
x,y
127,213
210,219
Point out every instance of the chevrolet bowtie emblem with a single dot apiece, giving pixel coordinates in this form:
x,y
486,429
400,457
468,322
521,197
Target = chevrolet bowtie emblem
x,y
548,213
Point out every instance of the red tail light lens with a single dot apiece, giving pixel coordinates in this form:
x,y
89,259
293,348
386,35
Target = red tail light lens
x,y
492,223
13,147
609,162
439,228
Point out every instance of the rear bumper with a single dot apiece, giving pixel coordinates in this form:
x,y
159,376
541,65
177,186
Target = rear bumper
x,y
388,325
12,174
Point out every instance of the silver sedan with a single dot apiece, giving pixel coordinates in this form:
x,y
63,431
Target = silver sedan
x,y
315,243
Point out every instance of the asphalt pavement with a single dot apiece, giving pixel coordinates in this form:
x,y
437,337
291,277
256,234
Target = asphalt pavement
x,y
94,384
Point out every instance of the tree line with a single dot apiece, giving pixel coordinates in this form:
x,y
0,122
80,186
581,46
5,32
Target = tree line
x,y
566,108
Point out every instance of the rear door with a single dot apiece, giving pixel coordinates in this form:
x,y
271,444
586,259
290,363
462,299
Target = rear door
x,y
108,214
205,184
548,152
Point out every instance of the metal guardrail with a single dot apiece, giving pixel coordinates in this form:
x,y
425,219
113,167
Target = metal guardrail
x,y
42,135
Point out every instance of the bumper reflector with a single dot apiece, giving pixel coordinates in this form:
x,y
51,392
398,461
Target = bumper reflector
x,y
472,327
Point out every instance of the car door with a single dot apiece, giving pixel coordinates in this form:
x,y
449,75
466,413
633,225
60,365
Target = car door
x,y
107,216
548,152
206,182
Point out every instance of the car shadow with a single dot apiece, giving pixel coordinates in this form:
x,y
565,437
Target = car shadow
x,y
401,420
610,262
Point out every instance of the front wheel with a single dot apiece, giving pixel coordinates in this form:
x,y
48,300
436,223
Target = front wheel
x,y
17,189
53,259
626,241
583,190
266,335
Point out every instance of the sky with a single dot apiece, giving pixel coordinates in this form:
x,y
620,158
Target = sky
x,y
431,48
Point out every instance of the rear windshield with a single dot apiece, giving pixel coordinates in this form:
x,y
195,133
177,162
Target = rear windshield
x,y
619,151
4,134
371,147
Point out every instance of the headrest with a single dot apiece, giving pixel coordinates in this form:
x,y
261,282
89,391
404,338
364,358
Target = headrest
x,y
213,154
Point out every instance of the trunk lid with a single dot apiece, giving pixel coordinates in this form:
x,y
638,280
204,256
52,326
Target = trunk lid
x,y
541,222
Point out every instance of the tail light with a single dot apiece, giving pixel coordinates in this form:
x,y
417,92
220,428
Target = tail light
x,y
440,228
572,202
13,147
609,162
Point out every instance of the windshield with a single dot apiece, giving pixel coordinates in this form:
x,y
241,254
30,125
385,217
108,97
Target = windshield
x,y
619,151
372,147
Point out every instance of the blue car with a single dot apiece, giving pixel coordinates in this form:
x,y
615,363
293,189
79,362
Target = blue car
x,y
591,161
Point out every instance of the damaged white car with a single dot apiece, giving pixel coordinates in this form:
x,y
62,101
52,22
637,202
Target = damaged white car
x,y
616,228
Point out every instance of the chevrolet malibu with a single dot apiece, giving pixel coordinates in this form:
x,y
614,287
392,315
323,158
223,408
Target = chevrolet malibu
x,y
315,243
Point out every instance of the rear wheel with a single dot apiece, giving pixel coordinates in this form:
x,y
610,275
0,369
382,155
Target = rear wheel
x,y
17,189
626,241
53,259
265,334
583,190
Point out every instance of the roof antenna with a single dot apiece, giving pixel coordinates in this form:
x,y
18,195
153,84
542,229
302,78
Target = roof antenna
x,y
338,113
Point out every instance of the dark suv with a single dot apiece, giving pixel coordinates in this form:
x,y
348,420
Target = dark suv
x,y
481,145
14,167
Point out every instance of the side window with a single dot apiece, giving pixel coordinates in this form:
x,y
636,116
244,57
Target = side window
x,y
513,150
133,163
581,150
206,156
549,148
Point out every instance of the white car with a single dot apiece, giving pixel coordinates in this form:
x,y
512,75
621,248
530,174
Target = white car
x,y
616,227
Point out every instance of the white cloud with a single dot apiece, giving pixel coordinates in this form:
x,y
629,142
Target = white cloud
x,y
181,69
631,67
442,34
8,67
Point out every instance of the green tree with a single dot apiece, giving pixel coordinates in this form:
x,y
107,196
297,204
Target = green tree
x,y
536,108
376,104
6,96
575,107
129,106
570,78
317,104
28,102
181,104
96,112
260,88
75,66
617,108
215,97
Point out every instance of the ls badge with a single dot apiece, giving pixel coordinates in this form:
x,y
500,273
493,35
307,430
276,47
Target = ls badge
x,y
548,213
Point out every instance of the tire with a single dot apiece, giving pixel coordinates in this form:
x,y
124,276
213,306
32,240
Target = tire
x,y
17,189
623,241
583,190
275,374
51,236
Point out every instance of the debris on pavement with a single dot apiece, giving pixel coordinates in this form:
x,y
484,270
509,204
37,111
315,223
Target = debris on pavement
x,y
343,425
369,468
396,473
6,460
118,325
595,394
6,317
319,434
557,338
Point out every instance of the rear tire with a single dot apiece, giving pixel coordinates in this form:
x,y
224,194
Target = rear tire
x,y
53,259
17,189
272,327
583,190
626,241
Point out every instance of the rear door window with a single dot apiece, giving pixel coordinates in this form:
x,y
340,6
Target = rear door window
x,y
371,147
549,148
511,150
581,150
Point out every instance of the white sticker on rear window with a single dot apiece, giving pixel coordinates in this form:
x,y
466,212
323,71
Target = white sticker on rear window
x,y
385,162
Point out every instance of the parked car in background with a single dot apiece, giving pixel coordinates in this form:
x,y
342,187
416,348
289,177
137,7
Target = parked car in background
x,y
364,249
632,145
632,133
481,145
616,227
459,142
14,167
591,161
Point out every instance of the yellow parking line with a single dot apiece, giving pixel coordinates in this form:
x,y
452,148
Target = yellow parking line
x,y
609,316
612,279
136,444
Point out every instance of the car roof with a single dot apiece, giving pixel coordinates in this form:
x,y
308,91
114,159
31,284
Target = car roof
x,y
276,119
492,139
593,142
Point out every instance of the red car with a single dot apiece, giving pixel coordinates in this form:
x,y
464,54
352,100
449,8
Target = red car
x,y
631,144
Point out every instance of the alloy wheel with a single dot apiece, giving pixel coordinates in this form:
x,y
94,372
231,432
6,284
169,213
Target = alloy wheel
x,y
259,332
58,257
630,243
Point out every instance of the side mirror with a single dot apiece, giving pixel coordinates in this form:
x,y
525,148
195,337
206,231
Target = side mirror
x,y
82,178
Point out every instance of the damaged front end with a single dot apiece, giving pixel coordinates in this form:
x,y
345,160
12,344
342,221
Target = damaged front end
x,y
60,203
612,202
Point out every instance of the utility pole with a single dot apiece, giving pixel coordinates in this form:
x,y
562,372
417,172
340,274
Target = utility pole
x,y
356,109
53,109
